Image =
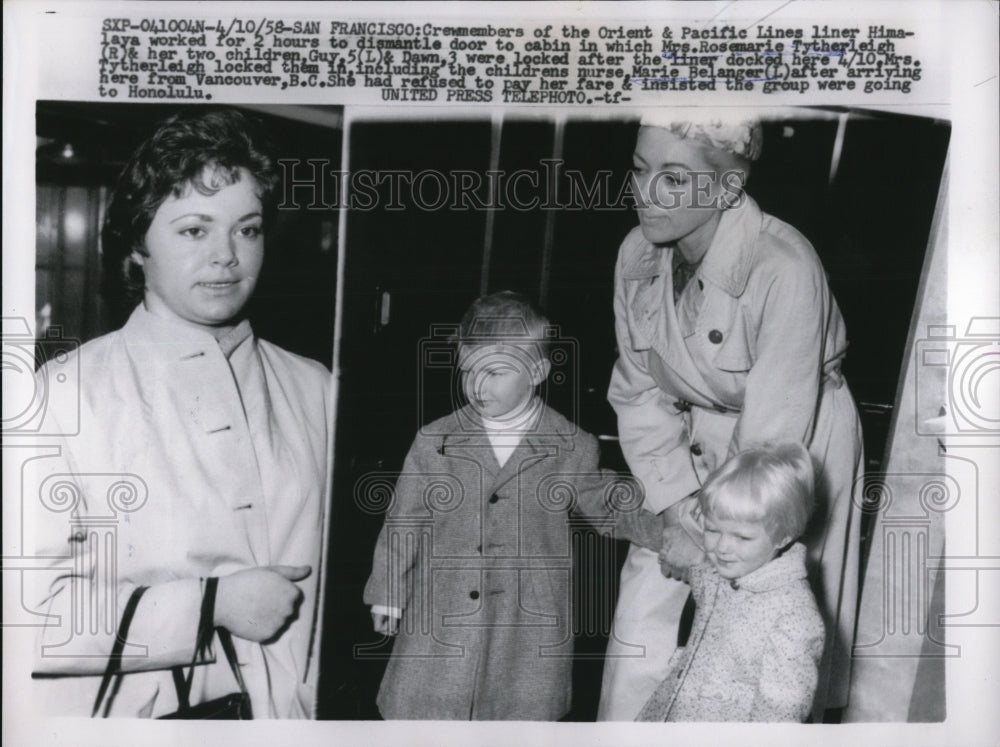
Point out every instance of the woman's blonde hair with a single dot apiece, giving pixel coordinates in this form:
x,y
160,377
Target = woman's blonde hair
x,y
772,483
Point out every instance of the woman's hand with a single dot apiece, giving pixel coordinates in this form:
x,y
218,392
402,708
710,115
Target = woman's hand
x,y
257,604
679,553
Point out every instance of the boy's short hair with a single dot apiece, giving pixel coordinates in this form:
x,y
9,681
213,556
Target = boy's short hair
x,y
505,318
773,483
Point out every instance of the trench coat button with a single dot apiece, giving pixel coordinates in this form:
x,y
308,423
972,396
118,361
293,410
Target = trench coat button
x,y
682,405
479,549
494,498
696,449
715,337
473,595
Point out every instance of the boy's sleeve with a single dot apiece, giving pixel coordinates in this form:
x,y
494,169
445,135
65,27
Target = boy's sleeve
x,y
790,669
603,494
398,546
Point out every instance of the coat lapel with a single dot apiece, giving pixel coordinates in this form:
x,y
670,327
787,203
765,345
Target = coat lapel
x,y
734,248
468,442
545,440
726,265
655,319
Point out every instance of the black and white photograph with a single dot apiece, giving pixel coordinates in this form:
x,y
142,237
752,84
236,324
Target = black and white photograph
x,y
365,380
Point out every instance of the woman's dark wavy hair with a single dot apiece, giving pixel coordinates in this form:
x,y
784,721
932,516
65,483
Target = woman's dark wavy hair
x,y
170,161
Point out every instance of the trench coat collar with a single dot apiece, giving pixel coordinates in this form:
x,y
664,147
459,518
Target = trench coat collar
x,y
787,568
729,258
171,340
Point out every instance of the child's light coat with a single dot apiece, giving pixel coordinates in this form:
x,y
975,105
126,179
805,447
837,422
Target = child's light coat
x,y
754,649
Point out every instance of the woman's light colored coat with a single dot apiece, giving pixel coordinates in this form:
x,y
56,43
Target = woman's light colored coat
x,y
750,354
192,458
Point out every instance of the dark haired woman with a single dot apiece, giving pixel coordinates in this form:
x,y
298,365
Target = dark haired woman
x,y
218,438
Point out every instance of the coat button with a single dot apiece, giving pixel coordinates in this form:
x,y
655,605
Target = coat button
x,y
473,595
696,449
715,337
479,549
494,498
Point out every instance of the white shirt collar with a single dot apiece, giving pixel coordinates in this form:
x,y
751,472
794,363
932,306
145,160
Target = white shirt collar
x,y
523,422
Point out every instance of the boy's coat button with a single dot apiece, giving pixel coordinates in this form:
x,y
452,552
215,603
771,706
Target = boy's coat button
x,y
473,595
696,449
494,498
715,336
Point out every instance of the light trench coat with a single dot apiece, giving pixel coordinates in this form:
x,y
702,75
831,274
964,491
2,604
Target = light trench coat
x,y
750,354
186,464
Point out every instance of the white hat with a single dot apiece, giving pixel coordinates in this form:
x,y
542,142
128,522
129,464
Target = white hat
x,y
743,137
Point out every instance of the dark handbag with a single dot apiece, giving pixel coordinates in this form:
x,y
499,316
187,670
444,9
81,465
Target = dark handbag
x,y
233,706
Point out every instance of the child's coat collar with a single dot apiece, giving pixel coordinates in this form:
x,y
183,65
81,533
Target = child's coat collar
x,y
788,567
550,430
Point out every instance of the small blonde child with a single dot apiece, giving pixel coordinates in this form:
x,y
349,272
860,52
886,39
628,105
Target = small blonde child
x,y
757,638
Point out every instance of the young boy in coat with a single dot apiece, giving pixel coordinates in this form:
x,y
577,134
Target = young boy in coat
x,y
757,637
472,570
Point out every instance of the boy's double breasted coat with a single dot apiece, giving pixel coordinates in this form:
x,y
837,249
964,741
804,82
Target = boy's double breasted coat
x,y
479,559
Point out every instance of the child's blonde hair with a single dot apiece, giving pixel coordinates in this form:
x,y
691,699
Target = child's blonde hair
x,y
773,484
505,318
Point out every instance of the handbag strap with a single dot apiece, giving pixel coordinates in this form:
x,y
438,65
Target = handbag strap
x,y
226,639
201,642
115,660
206,629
